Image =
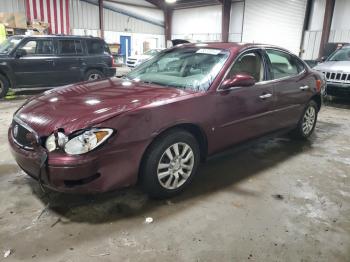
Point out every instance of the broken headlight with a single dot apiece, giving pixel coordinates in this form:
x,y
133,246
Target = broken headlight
x,y
81,143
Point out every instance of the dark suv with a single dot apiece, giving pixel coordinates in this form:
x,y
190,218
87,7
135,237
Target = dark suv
x,y
48,61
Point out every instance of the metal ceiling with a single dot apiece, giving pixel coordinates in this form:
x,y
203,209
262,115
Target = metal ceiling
x,y
182,4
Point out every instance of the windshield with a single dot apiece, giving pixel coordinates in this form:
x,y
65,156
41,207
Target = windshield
x,y
188,68
9,44
340,55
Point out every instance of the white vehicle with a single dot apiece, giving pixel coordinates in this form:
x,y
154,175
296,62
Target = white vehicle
x,y
134,61
336,69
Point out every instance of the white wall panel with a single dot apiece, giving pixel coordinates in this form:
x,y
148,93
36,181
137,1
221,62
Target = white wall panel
x,y
114,21
10,6
202,23
86,16
317,14
278,22
341,15
311,45
236,21
83,15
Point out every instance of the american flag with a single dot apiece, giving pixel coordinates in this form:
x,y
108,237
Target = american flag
x,y
54,12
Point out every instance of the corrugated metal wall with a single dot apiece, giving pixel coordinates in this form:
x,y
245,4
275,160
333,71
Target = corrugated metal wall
x,y
200,23
278,22
86,16
8,6
114,21
83,15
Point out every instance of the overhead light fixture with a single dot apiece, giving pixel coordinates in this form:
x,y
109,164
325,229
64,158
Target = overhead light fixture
x,y
170,1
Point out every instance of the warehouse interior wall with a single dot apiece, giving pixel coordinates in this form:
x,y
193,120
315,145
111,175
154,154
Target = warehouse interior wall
x,y
236,21
340,28
8,6
85,21
199,24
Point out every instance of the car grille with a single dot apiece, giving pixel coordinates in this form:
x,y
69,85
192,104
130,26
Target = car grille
x,y
337,77
21,135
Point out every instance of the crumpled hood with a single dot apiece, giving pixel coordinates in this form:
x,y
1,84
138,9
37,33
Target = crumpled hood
x,y
334,66
82,105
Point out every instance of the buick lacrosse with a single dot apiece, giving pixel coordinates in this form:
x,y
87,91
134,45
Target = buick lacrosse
x,y
157,124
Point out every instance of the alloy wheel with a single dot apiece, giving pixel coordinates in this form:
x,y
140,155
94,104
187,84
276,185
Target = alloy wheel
x,y
175,166
309,120
94,77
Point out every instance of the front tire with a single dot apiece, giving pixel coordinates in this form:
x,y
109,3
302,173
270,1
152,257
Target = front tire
x,y
307,122
4,86
170,164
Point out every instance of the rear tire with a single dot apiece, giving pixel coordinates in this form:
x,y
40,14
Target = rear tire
x,y
93,75
307,122
4,86
170,164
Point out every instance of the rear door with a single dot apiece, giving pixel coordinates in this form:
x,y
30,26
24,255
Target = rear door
x,y
292,86
98,55
245,112
36,68
69,63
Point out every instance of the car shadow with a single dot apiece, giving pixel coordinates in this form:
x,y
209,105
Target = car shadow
x,y
338,102
221,172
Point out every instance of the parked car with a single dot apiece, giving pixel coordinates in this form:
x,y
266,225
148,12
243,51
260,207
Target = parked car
x,y
156,125
49,61
136,60
336,69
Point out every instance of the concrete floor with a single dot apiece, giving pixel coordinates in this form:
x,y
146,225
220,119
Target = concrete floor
x,y
279,200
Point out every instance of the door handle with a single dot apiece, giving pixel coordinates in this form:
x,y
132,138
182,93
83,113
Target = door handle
x,y
304,87
50,61
265,96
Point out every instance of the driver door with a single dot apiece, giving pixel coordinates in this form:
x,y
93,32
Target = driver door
x,y
36,68
245,112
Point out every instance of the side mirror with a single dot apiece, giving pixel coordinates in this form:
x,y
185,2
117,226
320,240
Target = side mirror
x,y
20,52
238,80
322,59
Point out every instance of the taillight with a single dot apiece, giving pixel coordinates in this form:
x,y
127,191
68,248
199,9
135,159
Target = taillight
x,y
318,85
113,62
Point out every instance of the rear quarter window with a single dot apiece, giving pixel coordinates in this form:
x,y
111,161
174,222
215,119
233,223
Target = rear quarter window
x,y
97,47
282,64
70,47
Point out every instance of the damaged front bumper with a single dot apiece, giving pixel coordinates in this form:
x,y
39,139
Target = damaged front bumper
x,y
90,173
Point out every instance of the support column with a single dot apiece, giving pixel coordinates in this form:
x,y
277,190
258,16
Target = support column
x,y
100,9
225,24
168,15
327,22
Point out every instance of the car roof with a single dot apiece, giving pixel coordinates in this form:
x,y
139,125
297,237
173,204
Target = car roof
x,y
232,46
60,36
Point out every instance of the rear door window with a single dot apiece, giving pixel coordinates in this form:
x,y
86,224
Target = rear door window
x,y
282,64
70,47
97,47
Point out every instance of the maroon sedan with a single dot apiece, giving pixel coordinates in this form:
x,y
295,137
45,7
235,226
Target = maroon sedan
x,y
157,124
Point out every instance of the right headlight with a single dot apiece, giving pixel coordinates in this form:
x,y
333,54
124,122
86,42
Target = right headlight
x,y
79,144
87,141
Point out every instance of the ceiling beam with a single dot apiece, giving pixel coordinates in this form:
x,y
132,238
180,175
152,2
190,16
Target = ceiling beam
x,y
158,3
131,4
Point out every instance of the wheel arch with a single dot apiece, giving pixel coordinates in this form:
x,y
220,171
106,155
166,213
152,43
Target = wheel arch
x,y
193,129
6,75
317,98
